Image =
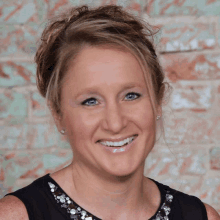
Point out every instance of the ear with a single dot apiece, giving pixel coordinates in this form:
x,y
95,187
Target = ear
x,y
57,118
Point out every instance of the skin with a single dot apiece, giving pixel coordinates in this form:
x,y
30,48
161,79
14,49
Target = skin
x,y
99,180
111,186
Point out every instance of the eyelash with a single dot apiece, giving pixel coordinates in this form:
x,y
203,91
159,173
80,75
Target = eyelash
x,y
83,103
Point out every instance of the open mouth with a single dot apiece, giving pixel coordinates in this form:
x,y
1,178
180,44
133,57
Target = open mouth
x,y
127,143
120,149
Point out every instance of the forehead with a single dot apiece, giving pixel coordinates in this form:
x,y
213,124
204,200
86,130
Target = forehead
x,y
97,66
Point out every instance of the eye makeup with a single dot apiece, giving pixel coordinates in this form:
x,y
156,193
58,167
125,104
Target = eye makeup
x,y
138,95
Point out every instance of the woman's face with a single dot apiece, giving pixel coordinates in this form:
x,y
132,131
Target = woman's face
x,y
98,106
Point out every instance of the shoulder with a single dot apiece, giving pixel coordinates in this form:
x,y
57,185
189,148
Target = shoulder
x,y
188,201
211,212
196,203
12,208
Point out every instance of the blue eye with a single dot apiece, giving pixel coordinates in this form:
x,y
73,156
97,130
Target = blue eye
x,y
137,94
88,100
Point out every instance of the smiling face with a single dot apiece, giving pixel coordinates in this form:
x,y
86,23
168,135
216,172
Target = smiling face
x,y
105,96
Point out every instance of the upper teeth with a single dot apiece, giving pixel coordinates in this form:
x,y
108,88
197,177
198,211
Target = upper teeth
x,y
109,143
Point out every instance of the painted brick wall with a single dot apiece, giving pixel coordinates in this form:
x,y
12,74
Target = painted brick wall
x,y
188,46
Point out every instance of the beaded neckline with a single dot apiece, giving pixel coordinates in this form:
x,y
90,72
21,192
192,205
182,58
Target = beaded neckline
x,y
76,212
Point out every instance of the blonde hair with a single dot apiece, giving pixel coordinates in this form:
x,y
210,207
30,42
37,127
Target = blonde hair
x,y
105,26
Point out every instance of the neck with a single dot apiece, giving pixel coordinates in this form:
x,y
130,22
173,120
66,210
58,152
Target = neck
x,y
107,193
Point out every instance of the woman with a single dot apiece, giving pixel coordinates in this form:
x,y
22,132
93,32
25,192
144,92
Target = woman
x,y
104,85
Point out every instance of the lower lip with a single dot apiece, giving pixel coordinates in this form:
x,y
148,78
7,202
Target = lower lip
x,y
118,150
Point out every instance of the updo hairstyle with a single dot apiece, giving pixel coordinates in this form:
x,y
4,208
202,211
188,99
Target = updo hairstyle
x,y
107,26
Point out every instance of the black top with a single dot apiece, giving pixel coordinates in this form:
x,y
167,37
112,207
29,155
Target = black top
x,y
44,199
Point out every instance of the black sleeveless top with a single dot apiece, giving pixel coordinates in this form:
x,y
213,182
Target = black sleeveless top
x,y
44,199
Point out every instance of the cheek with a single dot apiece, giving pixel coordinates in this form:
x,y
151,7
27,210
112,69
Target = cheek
x,y
80,127
76,124
144,116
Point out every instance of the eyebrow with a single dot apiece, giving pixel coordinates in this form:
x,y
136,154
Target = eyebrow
x,y
94,89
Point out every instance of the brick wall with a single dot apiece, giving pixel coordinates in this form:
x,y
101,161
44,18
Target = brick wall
x,y
189,49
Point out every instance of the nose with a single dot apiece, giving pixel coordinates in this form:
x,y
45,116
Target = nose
x,y
114,120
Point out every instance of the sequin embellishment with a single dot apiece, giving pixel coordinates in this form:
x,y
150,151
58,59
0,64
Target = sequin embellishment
x,y
75,211
78,213
165,208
